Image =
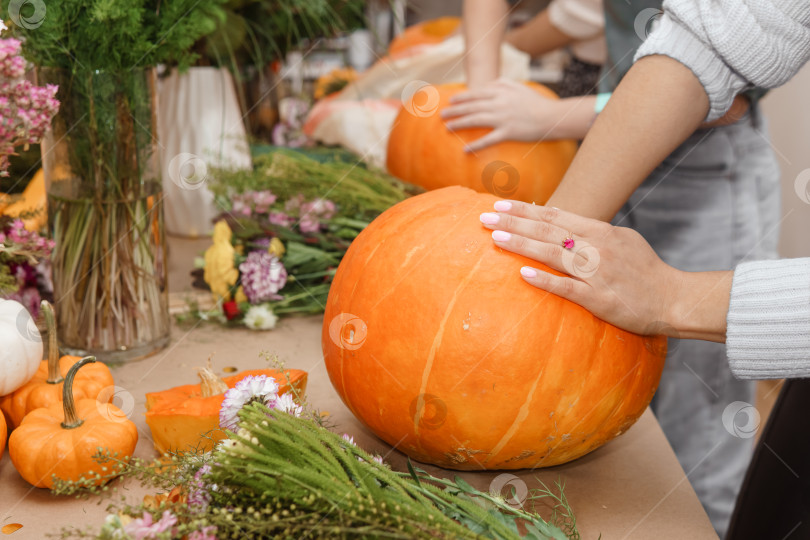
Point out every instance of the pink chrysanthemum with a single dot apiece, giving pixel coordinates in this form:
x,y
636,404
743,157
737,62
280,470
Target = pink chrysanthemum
x,y
250,389
263,275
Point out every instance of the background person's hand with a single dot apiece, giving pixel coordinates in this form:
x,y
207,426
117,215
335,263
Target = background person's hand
x,y
610,271
516,112
513,111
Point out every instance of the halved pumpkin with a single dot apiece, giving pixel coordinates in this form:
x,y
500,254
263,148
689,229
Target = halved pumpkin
x,y
185,418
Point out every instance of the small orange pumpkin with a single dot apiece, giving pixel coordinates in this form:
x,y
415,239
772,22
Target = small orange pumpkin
x,y
60,441
45,388
187,417
422,151
424,33
457,361
3,433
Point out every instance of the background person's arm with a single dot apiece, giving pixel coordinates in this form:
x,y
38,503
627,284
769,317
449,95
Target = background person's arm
x,y
658,104
538,36
484,26
678,82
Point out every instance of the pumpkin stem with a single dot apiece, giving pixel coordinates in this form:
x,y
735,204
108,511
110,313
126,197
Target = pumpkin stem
x,y
54,376
210,384
68,405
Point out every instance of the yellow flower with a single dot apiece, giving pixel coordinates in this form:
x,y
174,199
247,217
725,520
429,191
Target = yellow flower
x,y
334,81
220,272
276,248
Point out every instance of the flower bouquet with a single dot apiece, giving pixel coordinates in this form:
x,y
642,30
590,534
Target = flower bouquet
x,y
25,110
287,224
24,268
101,164
282,474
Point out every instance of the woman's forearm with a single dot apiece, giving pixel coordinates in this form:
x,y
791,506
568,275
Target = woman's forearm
x,y
699,305
484,28
656,107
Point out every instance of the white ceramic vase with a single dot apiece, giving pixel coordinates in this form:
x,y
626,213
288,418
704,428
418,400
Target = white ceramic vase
x,y
200,125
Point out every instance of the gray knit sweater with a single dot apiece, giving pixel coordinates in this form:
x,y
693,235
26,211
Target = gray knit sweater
x,y
730,45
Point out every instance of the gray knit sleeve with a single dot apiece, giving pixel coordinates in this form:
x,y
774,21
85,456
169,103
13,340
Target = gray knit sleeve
x,y
768,334
731,45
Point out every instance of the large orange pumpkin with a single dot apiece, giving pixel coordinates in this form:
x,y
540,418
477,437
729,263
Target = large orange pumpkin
x,y
424,33
422,151
434,342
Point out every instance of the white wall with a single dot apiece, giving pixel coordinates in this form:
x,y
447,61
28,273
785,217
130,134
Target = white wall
x,y
788,111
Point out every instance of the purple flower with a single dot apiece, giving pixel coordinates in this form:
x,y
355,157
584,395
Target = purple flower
x,y
263,275
313,212
309,224
198,496
206,533
240,207
145,529
262,201
25,110
281,219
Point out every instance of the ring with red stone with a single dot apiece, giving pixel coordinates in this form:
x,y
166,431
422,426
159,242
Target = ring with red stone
x,y
568,243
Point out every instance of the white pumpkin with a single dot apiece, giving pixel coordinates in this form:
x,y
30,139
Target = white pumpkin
x,y
21,350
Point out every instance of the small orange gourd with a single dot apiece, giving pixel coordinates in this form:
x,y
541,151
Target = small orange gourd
x,y
60,441
45,388
187,417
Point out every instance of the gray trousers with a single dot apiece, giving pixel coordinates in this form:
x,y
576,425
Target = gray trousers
x,y
714,202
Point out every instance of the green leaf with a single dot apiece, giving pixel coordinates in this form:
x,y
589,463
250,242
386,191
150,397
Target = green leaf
x,y
413,472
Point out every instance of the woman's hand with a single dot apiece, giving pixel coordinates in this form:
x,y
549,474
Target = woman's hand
x,y
612,272
516,112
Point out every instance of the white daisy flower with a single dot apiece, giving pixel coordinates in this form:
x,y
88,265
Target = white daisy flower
x,y
287,404
252,388
260,317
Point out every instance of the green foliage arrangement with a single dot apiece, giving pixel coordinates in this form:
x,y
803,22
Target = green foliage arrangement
x,y
255,32
118,35
282,474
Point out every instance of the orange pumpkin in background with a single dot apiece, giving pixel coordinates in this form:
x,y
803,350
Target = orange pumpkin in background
x,y
434,342
424,33
422,151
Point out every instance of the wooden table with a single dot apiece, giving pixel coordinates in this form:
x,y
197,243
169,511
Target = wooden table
x,y
631,488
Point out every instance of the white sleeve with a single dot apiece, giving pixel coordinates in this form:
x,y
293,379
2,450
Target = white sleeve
x,y
580,19
768,333
731,45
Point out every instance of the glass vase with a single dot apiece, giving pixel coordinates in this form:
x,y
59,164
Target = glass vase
x,y
105,211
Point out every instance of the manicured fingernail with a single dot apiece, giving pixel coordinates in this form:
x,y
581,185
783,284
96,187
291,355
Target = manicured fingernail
x,y
489,218
528,272
501,236
467,149
503,206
